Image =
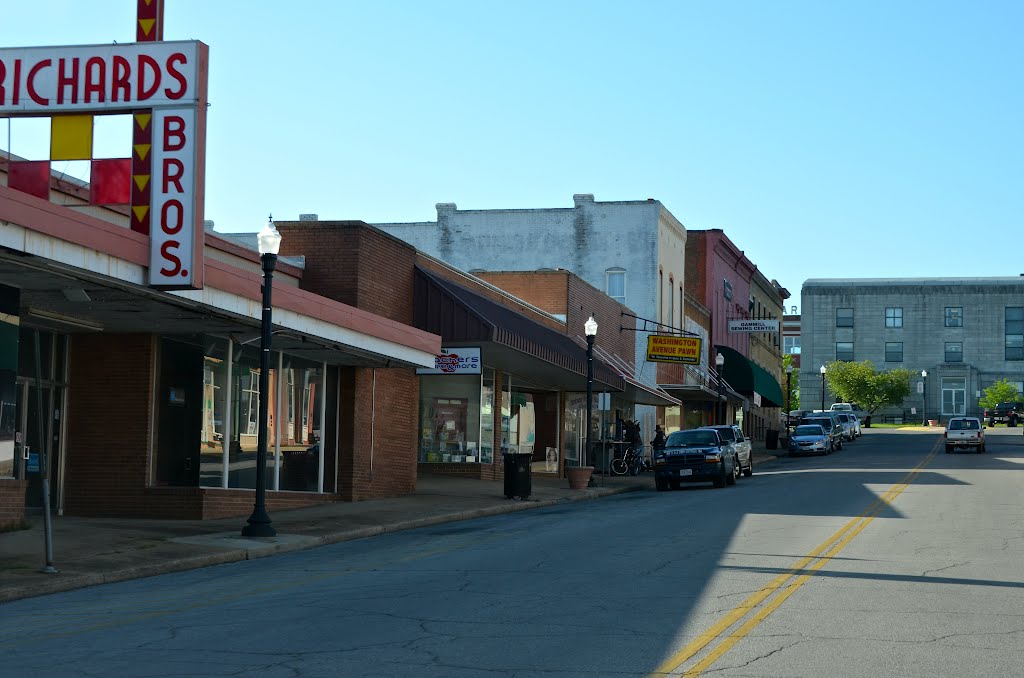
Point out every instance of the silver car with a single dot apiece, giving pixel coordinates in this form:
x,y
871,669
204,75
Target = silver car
x,y
810,439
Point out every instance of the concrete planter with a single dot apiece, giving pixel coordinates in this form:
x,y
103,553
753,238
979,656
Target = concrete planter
x,y
579,476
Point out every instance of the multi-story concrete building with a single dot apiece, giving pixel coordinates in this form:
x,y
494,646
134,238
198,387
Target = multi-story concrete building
x,y
962,333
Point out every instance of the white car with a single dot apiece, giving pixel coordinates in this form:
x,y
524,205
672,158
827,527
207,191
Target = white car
x,y
740,445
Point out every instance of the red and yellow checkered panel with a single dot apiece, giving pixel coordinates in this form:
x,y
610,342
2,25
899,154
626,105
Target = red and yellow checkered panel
x,y
32,177
71,138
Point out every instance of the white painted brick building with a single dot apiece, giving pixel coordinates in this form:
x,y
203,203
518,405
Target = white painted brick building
x,y
624,248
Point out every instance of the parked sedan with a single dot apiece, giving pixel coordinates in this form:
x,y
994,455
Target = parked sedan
x,y
831,426
693,456
810,439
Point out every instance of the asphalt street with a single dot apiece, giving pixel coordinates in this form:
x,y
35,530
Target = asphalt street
x,y
889,558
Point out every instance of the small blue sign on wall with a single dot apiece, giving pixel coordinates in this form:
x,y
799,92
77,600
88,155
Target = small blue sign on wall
x,y
33,462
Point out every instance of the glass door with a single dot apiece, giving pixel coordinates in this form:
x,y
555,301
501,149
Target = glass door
x,y
33,446
954,396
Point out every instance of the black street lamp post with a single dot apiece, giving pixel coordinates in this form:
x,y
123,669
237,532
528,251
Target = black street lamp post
x,y
720,410
789,392
259,523
822,370
924,390
590,329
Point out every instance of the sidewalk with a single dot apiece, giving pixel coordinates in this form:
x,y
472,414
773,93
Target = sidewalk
x,y
90,551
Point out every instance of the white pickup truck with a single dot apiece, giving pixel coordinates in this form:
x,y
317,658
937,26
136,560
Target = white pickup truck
x,y
965,433
853,409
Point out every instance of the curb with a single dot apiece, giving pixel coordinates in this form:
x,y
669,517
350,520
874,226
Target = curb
x,y
73,582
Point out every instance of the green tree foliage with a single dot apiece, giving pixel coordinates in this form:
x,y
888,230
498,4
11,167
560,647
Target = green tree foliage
x,y
1000,392
860,383
794,381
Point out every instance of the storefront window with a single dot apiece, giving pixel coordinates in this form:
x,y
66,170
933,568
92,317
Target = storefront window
x,y
219,381
301,424
522,422
450,418
574,432
9,357
487,417
506,414
215,394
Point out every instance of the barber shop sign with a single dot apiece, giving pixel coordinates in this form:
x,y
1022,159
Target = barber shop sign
x,y
462,360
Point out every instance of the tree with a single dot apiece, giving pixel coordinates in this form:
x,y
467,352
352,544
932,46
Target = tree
x,y
860,383
1000,392
794,382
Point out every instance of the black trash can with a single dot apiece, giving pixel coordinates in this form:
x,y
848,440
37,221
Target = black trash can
x,y
517,474
771,439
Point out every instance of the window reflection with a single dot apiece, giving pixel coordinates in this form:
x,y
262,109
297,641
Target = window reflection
x,y
230,418
302,429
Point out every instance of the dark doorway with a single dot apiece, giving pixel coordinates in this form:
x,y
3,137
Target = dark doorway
x,y
179,414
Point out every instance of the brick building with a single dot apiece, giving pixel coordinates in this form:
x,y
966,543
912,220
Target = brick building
x,y
151,396
732,288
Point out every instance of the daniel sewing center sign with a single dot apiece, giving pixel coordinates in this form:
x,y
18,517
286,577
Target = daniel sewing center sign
x,y
684,350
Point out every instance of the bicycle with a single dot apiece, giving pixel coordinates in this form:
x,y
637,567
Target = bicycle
x,y
632,462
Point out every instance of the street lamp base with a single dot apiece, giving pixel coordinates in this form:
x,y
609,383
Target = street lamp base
x,y
259,526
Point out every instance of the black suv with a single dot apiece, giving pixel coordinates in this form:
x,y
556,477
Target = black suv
x,y
1008,413
695,455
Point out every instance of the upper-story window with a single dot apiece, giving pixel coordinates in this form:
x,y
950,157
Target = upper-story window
x,y
894,351
671,302
1014,333
791,345
954,351
844,317
615,284
954,316
894,317
844,350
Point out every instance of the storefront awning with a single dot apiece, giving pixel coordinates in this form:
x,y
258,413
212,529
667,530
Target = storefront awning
x,y
642,394
515,343
746,376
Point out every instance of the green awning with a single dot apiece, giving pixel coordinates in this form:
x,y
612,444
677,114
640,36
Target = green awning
x,y
746,376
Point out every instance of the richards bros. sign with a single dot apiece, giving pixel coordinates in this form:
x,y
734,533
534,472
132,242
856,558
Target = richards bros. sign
x,y
163,85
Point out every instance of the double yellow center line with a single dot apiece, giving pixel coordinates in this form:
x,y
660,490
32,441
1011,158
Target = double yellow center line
x,y
785,584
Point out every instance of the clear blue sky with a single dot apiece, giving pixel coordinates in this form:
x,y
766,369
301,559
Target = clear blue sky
x,y
828,139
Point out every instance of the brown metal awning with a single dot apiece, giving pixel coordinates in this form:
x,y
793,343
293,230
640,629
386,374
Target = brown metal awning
x,y
515,343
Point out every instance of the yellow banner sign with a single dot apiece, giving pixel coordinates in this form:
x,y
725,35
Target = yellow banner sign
x,y
684,350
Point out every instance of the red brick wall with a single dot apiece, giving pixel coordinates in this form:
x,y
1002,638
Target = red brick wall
x,y
696,267
12,502
359,265
110,398
392,406
354,263
547,290
585,299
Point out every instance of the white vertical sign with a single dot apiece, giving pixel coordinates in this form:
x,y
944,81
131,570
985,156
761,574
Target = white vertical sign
x,y
171,262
